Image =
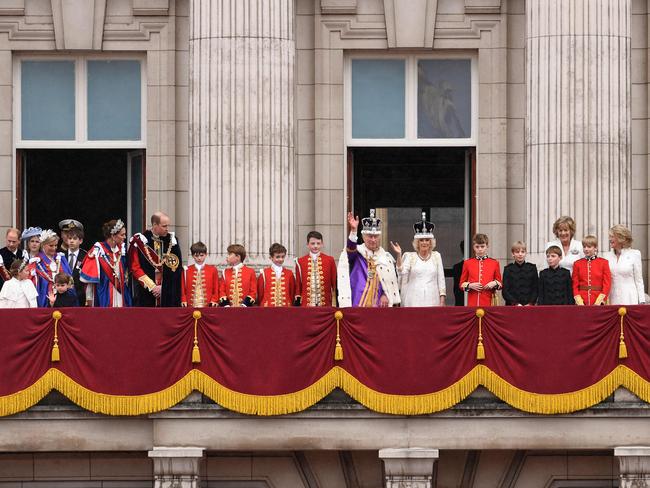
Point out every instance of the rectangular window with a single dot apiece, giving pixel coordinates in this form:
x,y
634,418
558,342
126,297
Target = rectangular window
x,y
411,100
79,101
378,98
114,100
47,100
444,98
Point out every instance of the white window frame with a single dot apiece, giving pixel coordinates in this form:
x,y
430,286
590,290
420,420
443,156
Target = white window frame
x,y
410,138
81,103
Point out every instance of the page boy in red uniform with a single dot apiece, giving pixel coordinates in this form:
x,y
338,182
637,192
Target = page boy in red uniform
x,y
481,275
276,286
591,276
239,284
315,275
200,281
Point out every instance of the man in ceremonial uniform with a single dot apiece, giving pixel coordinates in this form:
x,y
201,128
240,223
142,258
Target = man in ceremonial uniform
x,y
591,275
200,283
481,275
366,273
315,275
9,253
155,260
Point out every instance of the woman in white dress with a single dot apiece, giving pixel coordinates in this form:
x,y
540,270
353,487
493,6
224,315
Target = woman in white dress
x,y
564,229
421,272
625,266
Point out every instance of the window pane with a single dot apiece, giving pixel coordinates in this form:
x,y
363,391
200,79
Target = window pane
x,y
444,98
114,100
47,100
377,98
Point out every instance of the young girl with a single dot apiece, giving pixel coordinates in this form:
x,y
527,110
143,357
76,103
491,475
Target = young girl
x,y
19,291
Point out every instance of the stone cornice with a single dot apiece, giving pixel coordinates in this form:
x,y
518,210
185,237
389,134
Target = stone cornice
x,y
18,31
350,29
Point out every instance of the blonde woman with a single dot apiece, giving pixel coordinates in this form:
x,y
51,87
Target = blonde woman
x,y
421,272
564,229
625,266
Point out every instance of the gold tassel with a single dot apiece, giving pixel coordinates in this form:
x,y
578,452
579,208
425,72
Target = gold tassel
x,y
480,350
196,354
338,350
56,356
622,348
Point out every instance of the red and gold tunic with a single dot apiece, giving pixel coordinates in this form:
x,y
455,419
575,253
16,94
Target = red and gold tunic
x,y
273,291
200,287
316,281
482,270
591,281
238,287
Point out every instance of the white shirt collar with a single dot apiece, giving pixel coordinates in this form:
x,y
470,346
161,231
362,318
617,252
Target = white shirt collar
x,y
199,266
314,256
277,269
238,267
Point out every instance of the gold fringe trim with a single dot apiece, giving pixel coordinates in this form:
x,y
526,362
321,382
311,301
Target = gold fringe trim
x,y
409,404
264,405
267,404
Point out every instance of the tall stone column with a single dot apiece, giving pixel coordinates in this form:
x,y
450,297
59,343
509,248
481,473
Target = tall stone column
x,y
578,121
242,125
634,466
408,467
176,467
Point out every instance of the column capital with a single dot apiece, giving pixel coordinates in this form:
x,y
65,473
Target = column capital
x,y
176,463
634,466
411,466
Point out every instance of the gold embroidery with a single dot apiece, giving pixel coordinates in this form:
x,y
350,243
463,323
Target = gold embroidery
x,y
315,283
198,289
236,289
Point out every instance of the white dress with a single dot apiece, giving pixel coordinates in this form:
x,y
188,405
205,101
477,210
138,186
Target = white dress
x,y
423,282
627,277
18,294
575,252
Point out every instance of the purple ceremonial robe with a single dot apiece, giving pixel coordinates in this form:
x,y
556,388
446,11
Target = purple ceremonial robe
x,y
359,276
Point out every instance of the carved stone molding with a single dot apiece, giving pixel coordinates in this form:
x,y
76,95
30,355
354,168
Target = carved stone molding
x,y
408,467
78,24
634,466
347,7
482,6
151,7
350,29
18,31
176,467
410,23
470,30
141,31
12,7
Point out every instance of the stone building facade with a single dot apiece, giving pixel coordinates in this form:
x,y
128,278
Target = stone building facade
x,y
254,121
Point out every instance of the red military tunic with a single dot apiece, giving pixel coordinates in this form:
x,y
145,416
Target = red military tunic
x,y
238,288
481,270
316,281
200,288
274,292
591,281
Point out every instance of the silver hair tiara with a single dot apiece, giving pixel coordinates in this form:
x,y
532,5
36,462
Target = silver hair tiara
x,y
119,225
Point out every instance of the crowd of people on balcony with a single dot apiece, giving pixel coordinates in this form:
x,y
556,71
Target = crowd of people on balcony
x,y
40,268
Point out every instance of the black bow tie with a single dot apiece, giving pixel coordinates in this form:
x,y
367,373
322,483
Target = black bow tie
x,y
591,258
481,258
